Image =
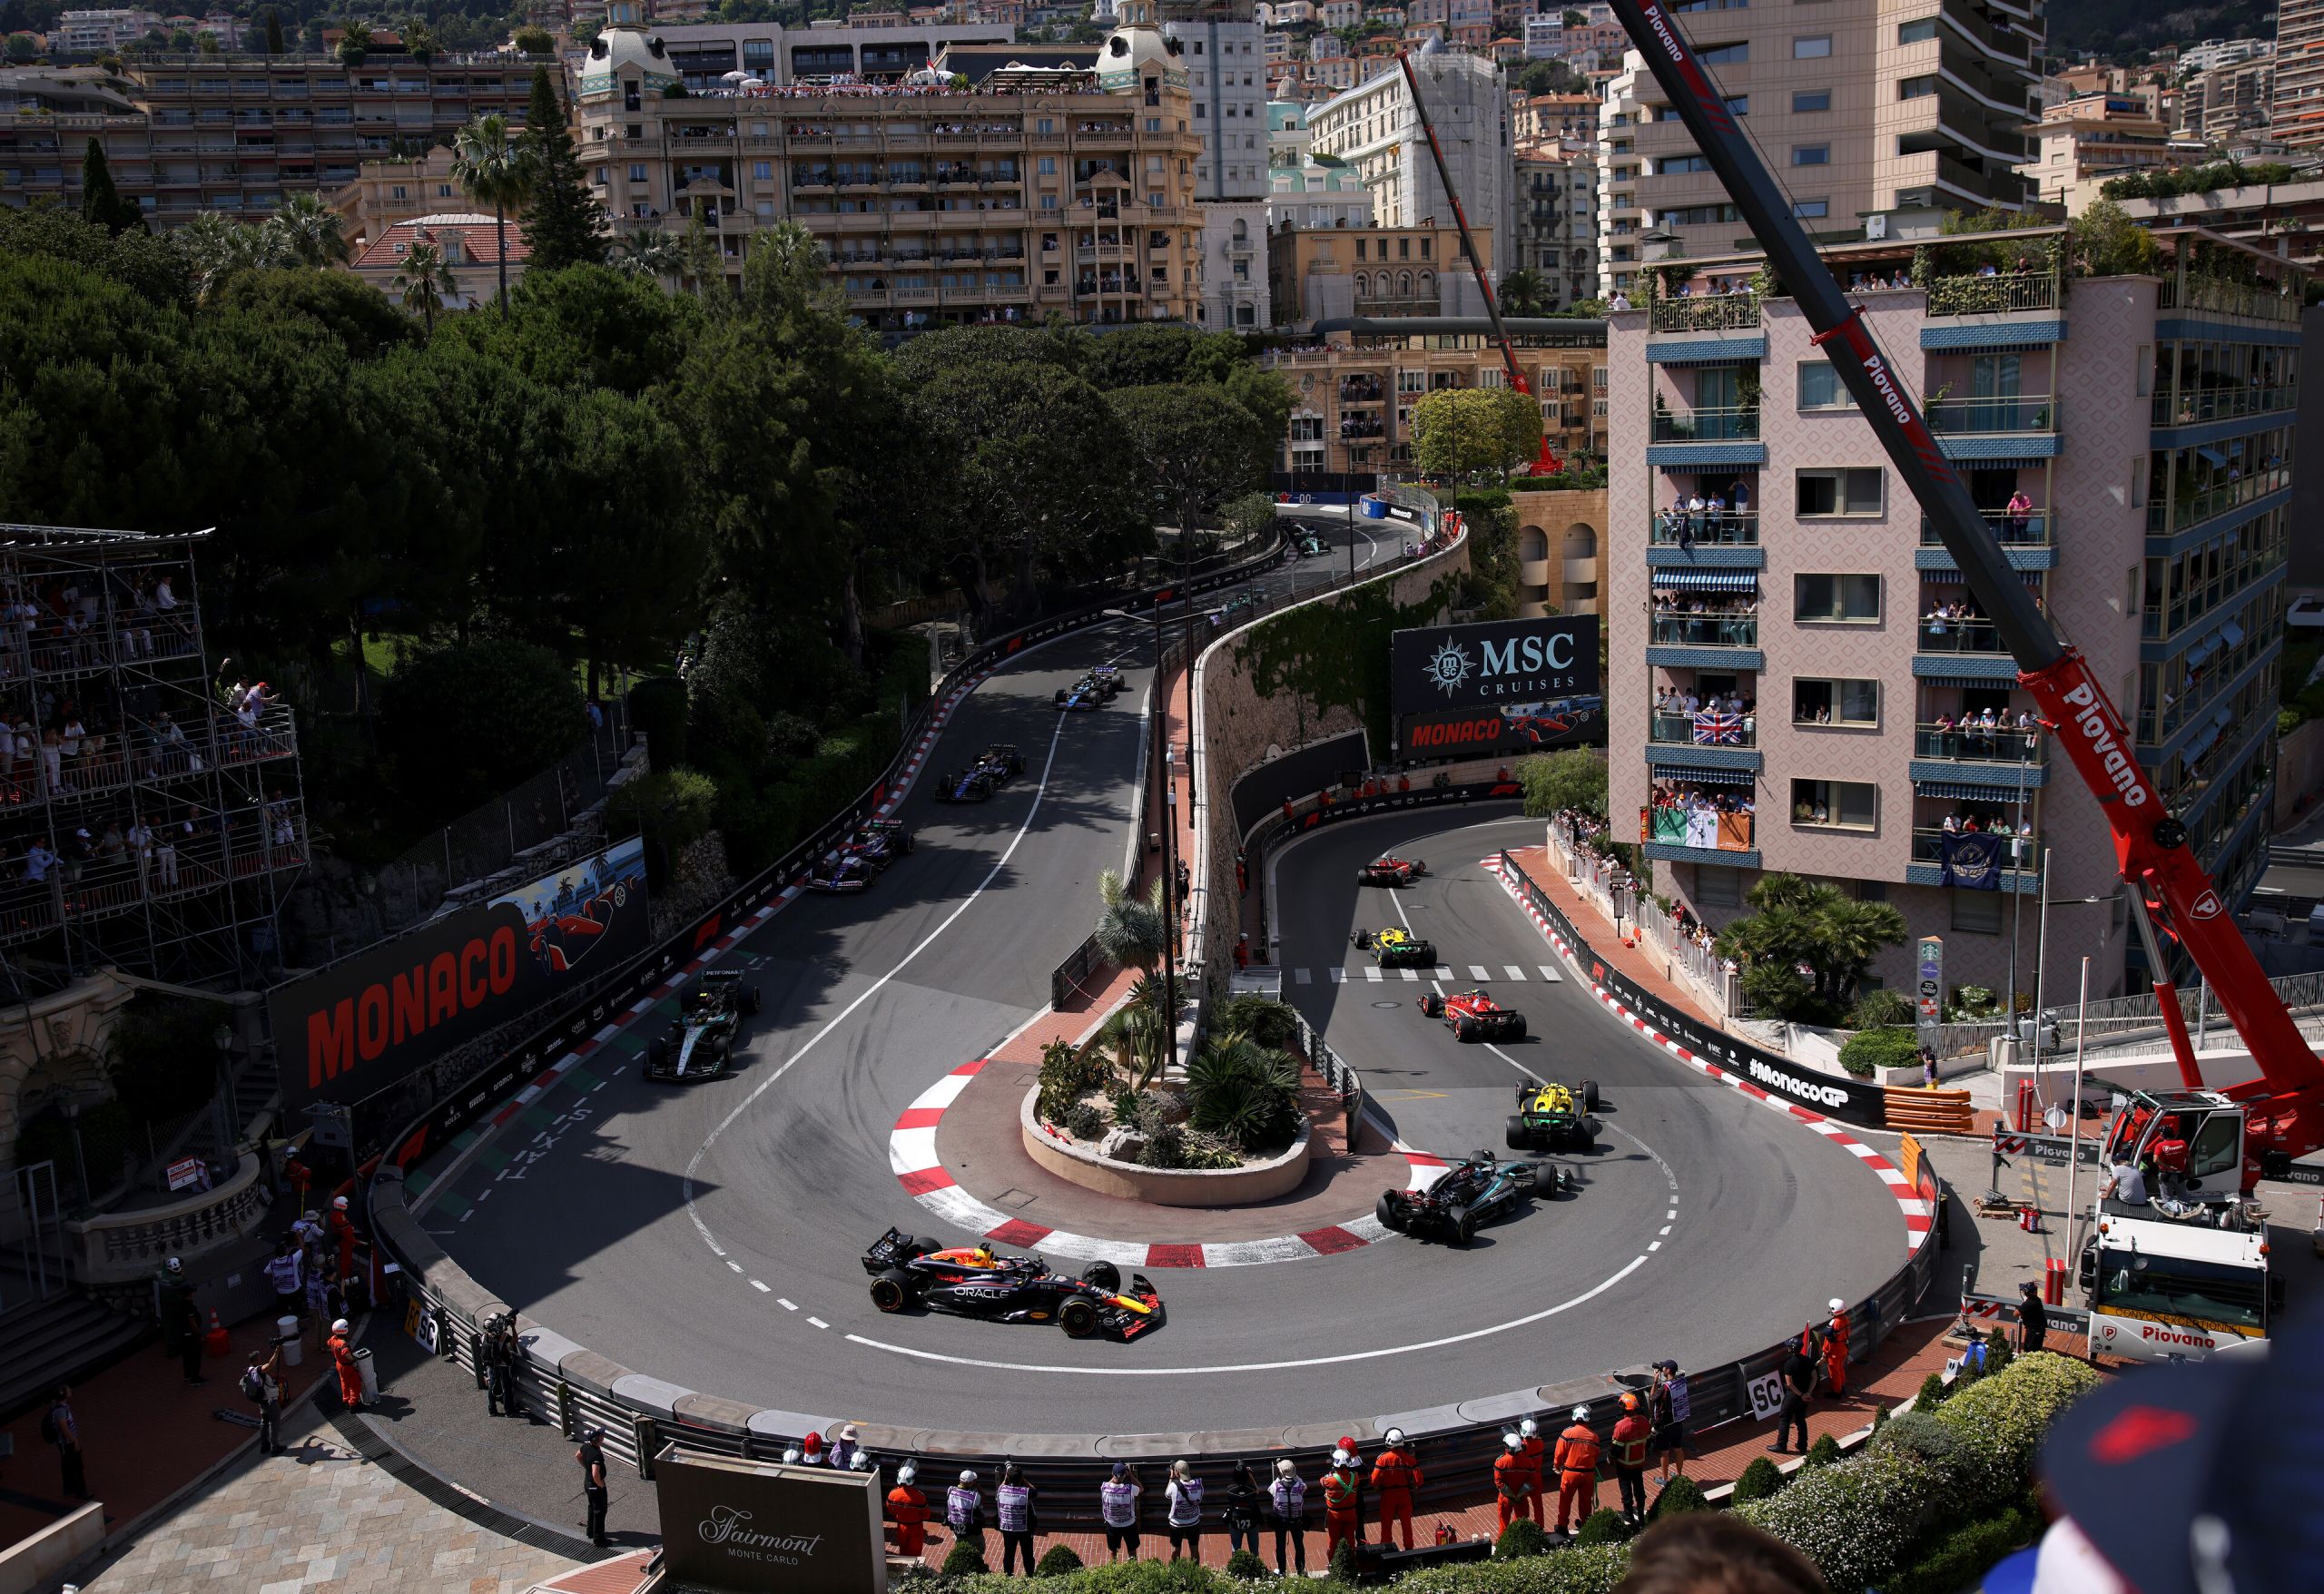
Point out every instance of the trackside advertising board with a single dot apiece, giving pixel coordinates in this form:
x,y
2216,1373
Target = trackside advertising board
x,y
352,1029
1496,687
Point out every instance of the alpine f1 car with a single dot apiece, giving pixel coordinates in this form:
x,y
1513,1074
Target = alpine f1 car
x,y
1473,1192
1397,948
1083,696
701,1042
1388,870
995,767
1472,1015
1550,1115
978,1282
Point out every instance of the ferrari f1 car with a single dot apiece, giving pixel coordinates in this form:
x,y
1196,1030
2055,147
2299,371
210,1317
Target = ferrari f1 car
x,y
995,767
701,1042
978,1282
1397,948
1388,870
1550,1115
1473,1192
1472,1015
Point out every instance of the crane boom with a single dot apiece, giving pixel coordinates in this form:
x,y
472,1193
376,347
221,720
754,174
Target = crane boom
x,y
2286,1104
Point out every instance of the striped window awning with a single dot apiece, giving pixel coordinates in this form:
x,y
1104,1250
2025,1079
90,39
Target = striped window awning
x,y
1954,577
1708,580
2004,787
2016,462
1668,772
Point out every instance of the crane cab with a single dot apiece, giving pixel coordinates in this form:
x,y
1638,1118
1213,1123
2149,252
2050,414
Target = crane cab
x,y
2197,1136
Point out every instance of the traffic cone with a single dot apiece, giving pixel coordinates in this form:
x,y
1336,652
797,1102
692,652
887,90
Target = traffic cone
x,y
215,1342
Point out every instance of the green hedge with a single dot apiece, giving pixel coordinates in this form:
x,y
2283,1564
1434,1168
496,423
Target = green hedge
x,y
1868,1050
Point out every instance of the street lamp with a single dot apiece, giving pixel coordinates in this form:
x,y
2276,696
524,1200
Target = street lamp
x,y
223,1037
1161,740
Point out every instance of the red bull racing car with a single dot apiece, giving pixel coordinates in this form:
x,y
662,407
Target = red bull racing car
x,y
975,1281
1388,870
1472,1015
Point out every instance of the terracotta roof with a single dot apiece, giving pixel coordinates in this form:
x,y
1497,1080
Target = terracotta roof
x,y
470,239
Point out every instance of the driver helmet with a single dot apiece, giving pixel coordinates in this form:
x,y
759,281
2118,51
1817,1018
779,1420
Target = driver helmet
x,y
1529,1428
984,1254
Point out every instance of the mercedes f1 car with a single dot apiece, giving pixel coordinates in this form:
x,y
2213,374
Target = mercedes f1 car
x,y
1397,948
1472,1015
701,1042
978,1282
1473,1192
995,767
1312,547
1388,870
1550,1115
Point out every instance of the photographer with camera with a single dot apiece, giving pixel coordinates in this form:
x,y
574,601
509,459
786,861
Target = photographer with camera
x,y
263,1386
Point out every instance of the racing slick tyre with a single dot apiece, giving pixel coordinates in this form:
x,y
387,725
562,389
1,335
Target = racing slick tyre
x,y
1515,1028
750,1001
1587,1130
1519,1137
891,1290
1589,1094
903,843
1362,940
1432,1006
1463,1029
1060,697
1463,1227
1390,1210
1078,1318
921,1245
1105,1275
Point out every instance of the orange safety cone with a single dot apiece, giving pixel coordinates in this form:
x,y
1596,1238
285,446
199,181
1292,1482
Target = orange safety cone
x,y
215,1342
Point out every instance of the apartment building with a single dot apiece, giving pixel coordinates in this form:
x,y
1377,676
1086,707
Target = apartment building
x,y
2277,218
2082,143
1904,108
1375,128
2229,101
87,32
1556,235
1219,43
386,194
1353,398
2297,114
884,50
1317,197
1319,276
1039,192
2132,460
1545,118
47,117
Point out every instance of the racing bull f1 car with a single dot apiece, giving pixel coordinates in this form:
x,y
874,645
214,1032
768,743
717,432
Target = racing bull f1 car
x,y
1474,1192
862,858
701,1042
1472,1015
978,1282
1550,1115
1397,948
995,767
1388,870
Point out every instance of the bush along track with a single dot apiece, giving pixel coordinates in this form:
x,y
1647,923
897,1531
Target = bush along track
x,y
1328,655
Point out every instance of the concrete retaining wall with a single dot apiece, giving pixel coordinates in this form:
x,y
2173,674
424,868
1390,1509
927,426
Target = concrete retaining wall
x,y
1081,1165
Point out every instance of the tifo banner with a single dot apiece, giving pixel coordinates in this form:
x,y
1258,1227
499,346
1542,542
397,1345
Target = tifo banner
x,y
353,1029
1972,861
1511,727
1513,663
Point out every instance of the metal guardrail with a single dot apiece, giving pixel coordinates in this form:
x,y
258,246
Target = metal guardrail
x,y
1337,1072
1075,972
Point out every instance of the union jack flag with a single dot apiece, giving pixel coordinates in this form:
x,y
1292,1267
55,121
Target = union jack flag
x,y
1711,729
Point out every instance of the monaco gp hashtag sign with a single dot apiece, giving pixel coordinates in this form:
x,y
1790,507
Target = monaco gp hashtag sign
x,y
1498,686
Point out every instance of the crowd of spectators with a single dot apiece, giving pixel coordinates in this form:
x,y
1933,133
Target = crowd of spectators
x,y
1718,516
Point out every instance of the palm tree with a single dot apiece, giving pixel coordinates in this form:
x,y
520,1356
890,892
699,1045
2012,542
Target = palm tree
x,y
309,233
217,246
648,252
494,170
1525,293
1136,1040
1131,931
425,280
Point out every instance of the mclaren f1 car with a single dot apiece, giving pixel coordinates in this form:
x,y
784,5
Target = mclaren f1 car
x,y
1472,1015
976,1280
1397,948
1473,1192
701,1043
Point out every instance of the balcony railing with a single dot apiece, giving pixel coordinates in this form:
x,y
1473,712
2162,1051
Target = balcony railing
x,y
1707,630
1704,729
1714,312
2036,528
1705,426
1727,528
1959,636
2221,404
1970,416
254,844
2257,303
1966,744
2193,508
2006,290
1700,828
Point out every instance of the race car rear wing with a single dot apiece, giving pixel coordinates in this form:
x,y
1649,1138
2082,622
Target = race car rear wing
x,y
721,975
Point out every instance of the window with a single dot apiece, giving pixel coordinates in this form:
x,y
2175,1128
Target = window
x,y
1919,31
762,170
1839,492
637,173
1978,912
1811,47
1917,88
1717,886
1834,703
1820,386
1836,597
1804,101
1724,54
1811,154
1852,805
1670,165
1811,210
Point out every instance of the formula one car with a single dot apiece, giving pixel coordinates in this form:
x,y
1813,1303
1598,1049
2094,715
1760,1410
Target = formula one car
x,y
1388,870
995,767
880,842
1550,1115
1473,1192
1108,678
701,1042
1312,547
978,1282
1472,1015
1082,696
1397,948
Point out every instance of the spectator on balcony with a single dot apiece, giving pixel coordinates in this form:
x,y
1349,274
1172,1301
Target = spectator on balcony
x,y
2020,511
52,762
164,600
38,861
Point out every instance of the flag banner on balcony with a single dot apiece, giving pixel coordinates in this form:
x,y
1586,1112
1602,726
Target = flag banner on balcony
x,y
1670,825
1719,730
1972,862
1735,832
1702,828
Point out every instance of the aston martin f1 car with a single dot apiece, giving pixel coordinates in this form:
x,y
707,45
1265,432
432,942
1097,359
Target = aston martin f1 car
x,y
1472,1015
1388,870
1473,1192
1397,948
995,767
701,1042
1551,1115
978,1282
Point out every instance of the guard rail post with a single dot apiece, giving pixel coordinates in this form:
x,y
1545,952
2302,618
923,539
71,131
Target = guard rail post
x,y
645,1433
565,1419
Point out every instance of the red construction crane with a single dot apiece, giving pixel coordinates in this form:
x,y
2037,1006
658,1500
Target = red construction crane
x,y
2284,1109
1545,463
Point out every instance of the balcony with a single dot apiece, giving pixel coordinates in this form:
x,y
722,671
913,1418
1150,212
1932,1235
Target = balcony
x,y
2018,871
1704,729
1957,418
2258,303
2221,404
1705,426
1728,528
2034,529
1964,744
1995,295
1970,637
2192,509
1707,313
1736,631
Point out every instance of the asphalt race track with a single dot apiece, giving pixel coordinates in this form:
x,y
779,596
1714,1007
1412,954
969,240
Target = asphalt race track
x,y
711,1235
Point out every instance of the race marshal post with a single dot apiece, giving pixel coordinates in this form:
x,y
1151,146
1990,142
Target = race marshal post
x,y
744,1527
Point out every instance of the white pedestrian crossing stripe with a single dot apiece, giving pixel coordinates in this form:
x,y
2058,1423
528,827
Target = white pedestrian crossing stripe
x,y
1443,972
1412,974
1549,973
1514,972
1372,973
1339,976
1477,971
1302,977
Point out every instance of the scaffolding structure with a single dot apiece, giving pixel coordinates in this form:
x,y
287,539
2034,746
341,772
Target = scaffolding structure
x,y
145,822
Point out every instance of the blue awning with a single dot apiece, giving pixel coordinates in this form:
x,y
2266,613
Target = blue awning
x,y
1708,580
2003,789
2213,456
1704,776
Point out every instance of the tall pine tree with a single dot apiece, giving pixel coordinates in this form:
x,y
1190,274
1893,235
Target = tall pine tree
x,y
563,225
101,202
274,32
